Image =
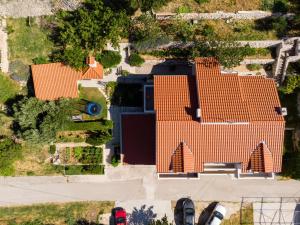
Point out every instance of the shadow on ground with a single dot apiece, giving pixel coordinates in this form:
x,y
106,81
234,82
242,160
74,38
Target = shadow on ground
x,y
204,216
142,216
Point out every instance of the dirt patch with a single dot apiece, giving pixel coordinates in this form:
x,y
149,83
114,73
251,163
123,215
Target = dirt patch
x,y
213,5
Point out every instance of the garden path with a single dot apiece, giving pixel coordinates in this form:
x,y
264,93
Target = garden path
x,y
4,63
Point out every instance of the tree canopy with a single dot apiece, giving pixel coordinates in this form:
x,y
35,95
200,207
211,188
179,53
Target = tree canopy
x,y
89,28
38,121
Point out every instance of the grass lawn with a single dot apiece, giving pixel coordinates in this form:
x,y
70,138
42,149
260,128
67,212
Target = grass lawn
x,y
93,95
8,88
26,43
245,216
212,5
58,214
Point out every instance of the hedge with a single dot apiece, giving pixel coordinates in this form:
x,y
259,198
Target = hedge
x,y
80,169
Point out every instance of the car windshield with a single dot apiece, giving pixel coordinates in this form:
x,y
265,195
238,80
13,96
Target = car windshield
x,y
120,220
189,211
218,215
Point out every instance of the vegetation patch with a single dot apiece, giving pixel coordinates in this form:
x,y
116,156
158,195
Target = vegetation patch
x,y
8,88
9,153
28,39
244,216
57,214
135,60
109,59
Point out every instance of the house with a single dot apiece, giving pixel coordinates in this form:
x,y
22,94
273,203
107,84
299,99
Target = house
x,y
211,122
56,80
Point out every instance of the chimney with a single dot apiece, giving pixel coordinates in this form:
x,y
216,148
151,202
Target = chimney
x,y
91,61
198,113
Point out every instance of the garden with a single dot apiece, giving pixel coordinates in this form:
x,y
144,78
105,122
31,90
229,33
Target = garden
x,y
56,213
80,160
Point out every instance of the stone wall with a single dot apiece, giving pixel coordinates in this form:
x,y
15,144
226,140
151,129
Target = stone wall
x,y
240,15
25,8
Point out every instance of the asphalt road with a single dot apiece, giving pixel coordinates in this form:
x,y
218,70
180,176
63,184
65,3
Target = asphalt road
x,y
15,191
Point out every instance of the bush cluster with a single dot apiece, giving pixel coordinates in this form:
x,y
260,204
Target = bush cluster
x,y
109,59
135,60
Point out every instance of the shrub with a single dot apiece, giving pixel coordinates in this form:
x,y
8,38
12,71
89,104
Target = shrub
x,y
208,31
183,9
291,83
9,153
267,5
125,73
99,137
135,60
201,1
280,25
40,60
114,161
281,6
52,149
253,67
109,59
80,169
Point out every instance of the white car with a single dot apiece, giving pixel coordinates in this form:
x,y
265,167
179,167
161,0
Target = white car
x,y
217,215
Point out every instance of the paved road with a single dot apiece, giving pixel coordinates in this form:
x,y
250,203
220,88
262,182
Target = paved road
x,y
15,191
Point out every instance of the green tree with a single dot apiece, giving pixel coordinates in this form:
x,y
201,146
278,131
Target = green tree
x,y
99,137
182,30
229,53
38,121
90,28
75,57
146,33
292,82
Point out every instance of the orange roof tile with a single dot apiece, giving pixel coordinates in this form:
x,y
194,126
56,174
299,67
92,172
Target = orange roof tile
x,y
225,101
261,159
217,143
175,97
183,160
261,97
221,99
55,80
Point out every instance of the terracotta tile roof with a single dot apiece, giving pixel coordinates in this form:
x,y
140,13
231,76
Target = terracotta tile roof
x,y
183,159
261,97
138,138
237,113
231,143
55,80
207,67
93,72
221,99
175,97
261,159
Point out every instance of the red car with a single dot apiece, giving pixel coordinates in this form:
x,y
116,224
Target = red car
x,y
119,215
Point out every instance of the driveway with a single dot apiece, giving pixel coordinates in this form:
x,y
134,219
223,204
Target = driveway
x,y
142,186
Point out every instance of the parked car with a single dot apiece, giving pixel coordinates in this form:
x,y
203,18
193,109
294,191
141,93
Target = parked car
x,y
217,215
188,212
119,216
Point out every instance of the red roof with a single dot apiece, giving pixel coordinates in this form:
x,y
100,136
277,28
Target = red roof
x,y
261,159
179,102
138,138
55,80
237,113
